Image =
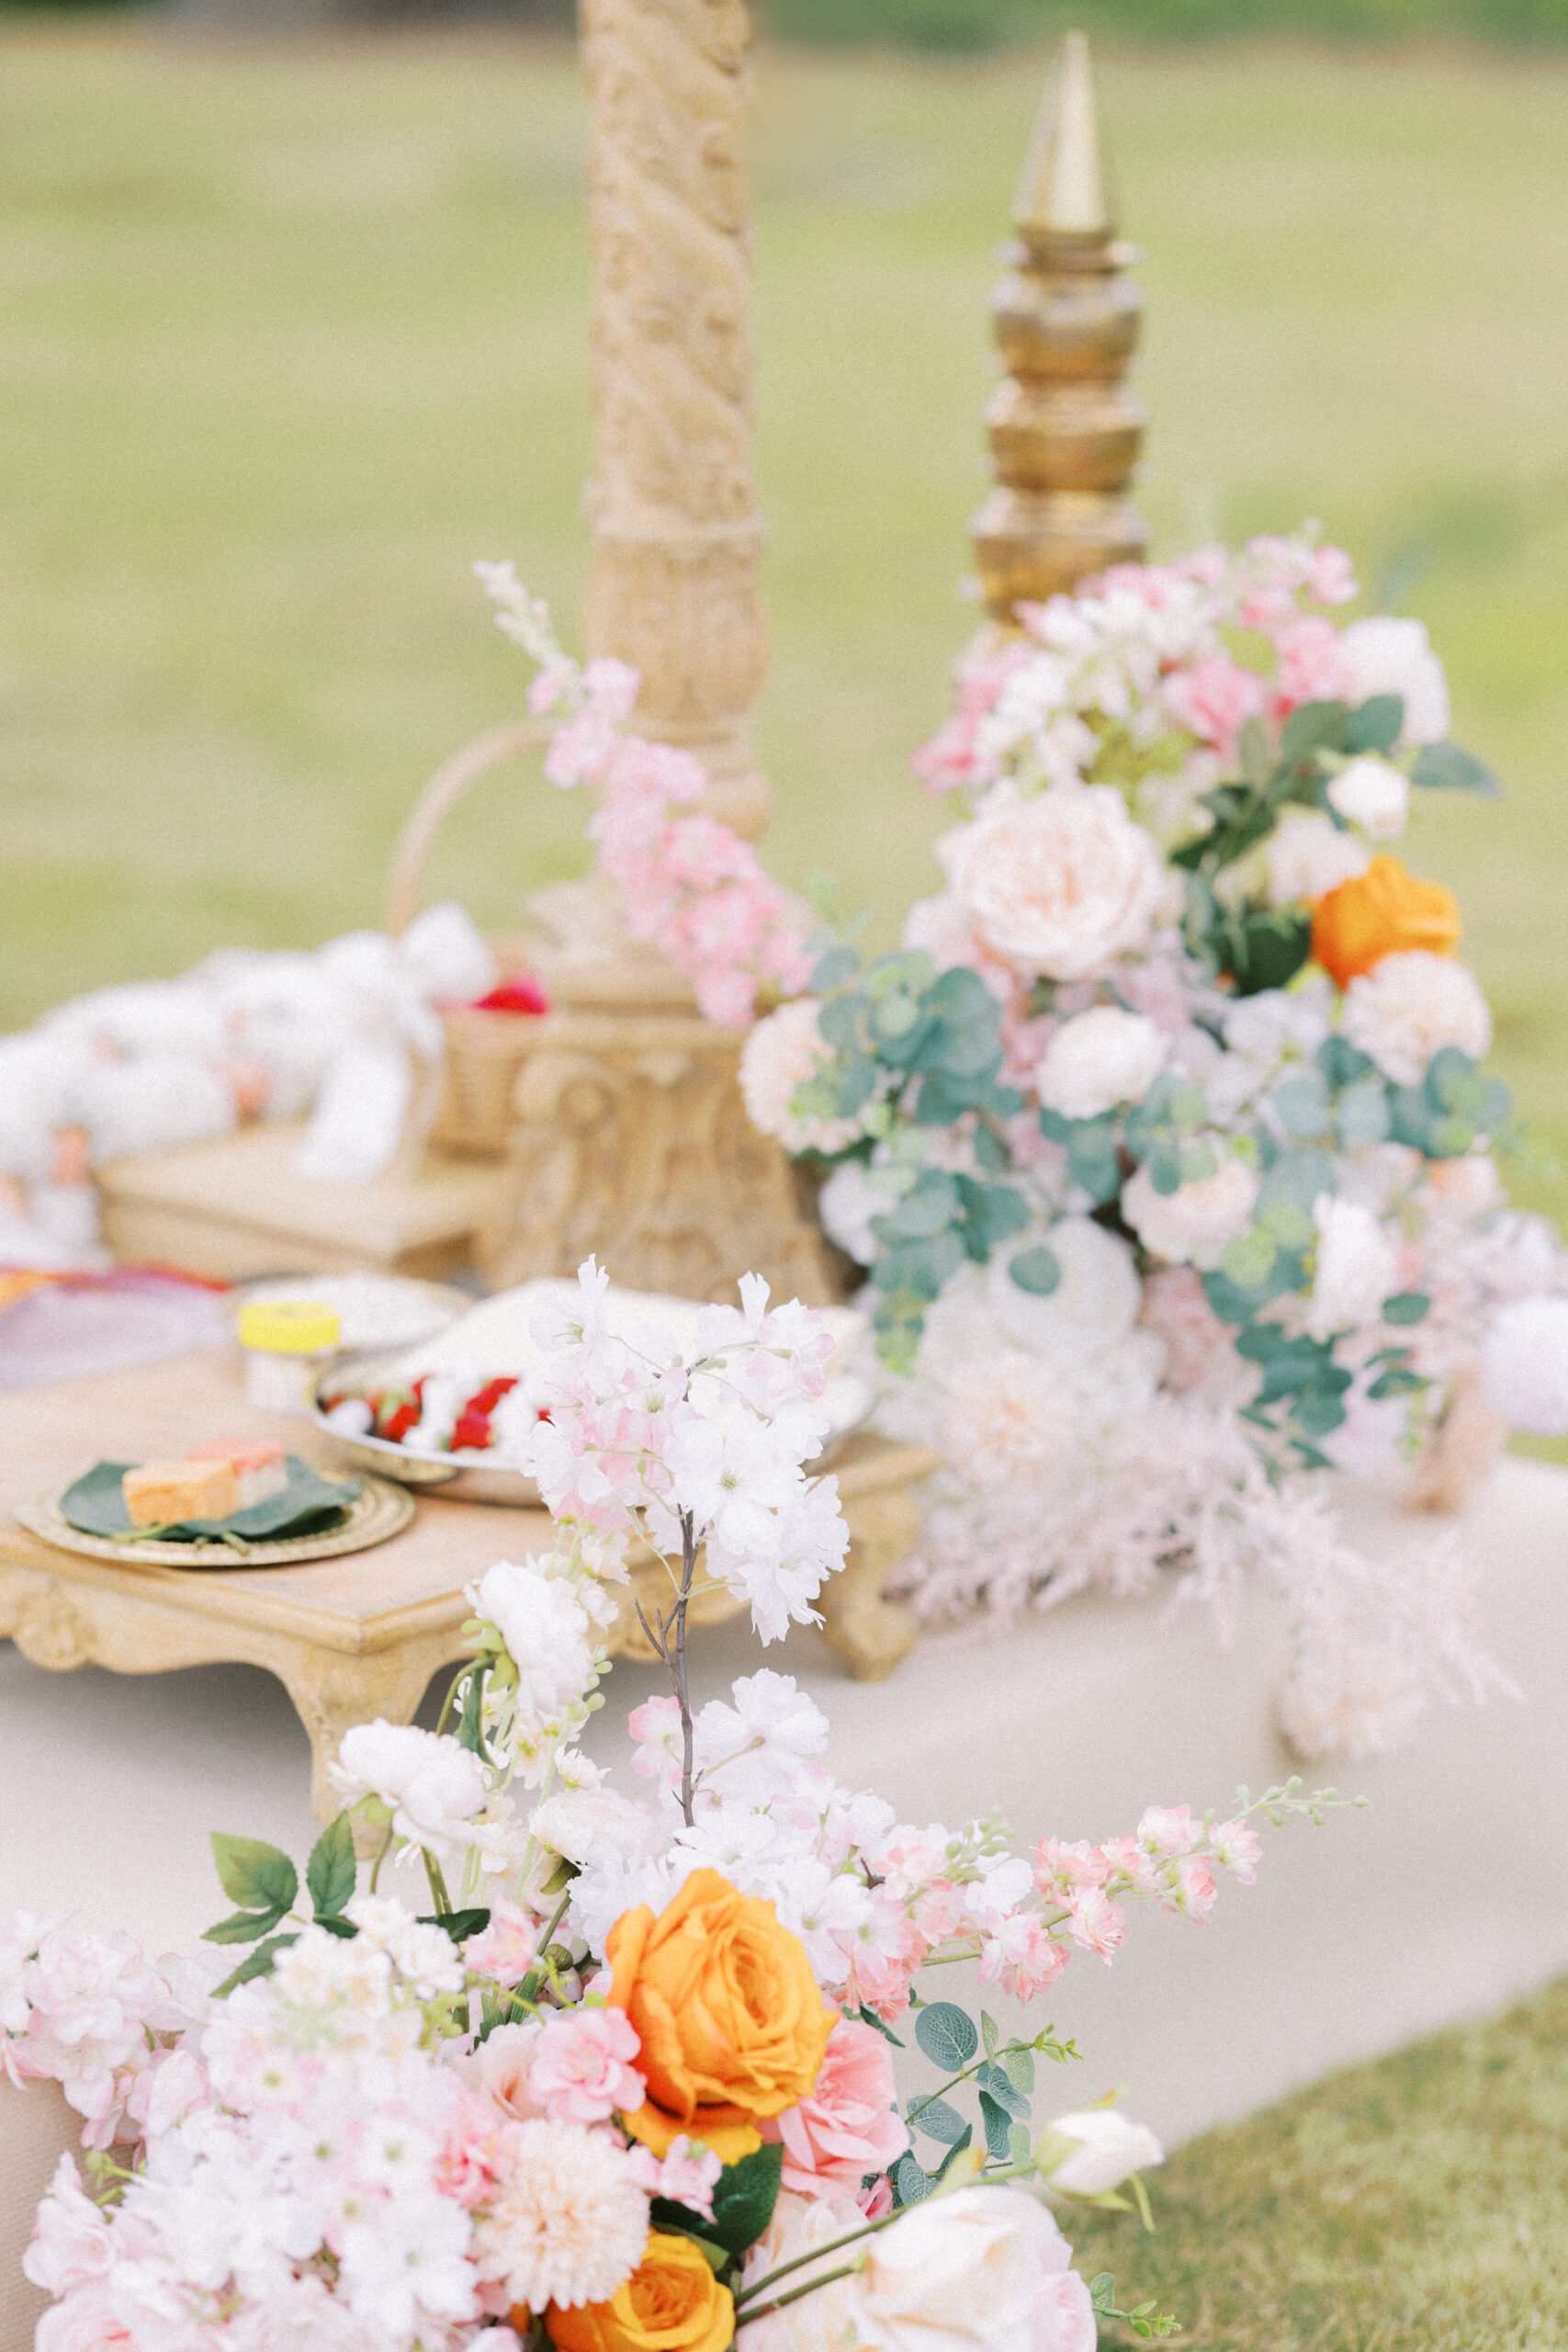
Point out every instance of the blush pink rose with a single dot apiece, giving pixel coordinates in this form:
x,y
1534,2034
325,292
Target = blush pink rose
x,y
1214,699
849,2126
501,2070
582,2071
1063,2318
1312,663
505,1951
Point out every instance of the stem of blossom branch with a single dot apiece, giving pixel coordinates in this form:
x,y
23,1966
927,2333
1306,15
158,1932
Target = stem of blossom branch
x,y
688,1569
835,2246
845,2270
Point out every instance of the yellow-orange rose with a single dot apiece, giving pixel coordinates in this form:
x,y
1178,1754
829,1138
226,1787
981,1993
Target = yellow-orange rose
x,y
732,2024
671,2302
1384,911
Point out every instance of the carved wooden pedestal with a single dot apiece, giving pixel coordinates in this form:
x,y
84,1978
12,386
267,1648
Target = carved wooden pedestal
x,y
349,1638
632,1142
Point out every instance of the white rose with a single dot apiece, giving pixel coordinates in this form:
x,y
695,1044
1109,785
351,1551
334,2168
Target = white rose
x,y
1395,657
1094,1305
1110,2148
829,2320
1524,1366
1372,793
781,1054
1308,855
846,1205
1100,1058
1059,884
1411,1005
1358,1268
961,2273
1195,1225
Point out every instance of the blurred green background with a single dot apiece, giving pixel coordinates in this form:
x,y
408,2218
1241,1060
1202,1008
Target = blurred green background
x,y
293,333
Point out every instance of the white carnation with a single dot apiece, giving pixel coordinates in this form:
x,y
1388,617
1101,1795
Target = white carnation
x,y
1386,656
846,1205
566,2222
781,1054
1100,1058
1409,1006
1308,856
549,1638
1373,794
1524,1366
1358,1268
1060,885
1195,1225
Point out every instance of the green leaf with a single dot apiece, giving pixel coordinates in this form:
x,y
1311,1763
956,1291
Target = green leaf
x,y
1020,2065
998,2125
459,1925
254,1874
947,2035
955,2152
1300,1101
990,2034
244,1928
470,1724
1038,1270
832,970
1375,725
1253,755
990,1213
1250,1259
909,2182
870,2017
938,2120
993,2079
1093,1160
1444,767
336,1925
1315,726
329,1872
1361,1112
1406,1306
744,2198
680,2221
258,1964
308,1504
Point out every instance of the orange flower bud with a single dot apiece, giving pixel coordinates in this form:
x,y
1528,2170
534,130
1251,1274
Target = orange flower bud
x,y
1384,912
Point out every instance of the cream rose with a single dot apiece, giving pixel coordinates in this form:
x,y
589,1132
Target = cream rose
x,y
961,2273
1102,1057
1409,1006
1106,2147
781,1054
1195,1225
1057,886
1372,793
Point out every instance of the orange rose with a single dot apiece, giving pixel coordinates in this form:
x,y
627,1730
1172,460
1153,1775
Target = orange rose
x,y
1381,912
733,2026
671,2302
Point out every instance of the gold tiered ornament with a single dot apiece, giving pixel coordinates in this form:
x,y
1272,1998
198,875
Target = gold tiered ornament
x,y
1064,431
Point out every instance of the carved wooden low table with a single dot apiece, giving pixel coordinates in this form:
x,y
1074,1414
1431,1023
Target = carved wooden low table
x,y
353,1638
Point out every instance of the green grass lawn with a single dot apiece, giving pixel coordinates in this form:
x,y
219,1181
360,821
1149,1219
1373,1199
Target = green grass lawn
x,y
290,336
1414,2205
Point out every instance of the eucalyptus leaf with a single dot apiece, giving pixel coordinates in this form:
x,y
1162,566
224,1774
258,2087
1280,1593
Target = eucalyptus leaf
x,y
1444,767
946,2033
997,2126
938,2120
1375,725
1038,1270
910,2184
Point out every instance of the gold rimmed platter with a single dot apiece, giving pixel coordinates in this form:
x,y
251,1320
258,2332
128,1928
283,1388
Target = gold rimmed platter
x,y
376,1512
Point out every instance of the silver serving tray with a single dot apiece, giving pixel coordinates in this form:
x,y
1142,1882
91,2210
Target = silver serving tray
x,y
471,1478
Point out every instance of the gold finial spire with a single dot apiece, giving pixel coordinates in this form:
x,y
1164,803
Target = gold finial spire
x,y
1064,434
1062,191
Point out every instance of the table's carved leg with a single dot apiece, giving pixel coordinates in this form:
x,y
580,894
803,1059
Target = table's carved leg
x,y
334,1689
38,1616
869,1633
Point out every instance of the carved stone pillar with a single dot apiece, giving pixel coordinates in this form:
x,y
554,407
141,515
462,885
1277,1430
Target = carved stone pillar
x,y
675,586
1065,432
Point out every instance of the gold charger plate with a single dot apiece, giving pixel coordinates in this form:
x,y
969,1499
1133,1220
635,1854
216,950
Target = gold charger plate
x,y
377,1511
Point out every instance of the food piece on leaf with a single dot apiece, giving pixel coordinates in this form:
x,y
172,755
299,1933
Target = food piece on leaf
x,y
261,1469
159,1494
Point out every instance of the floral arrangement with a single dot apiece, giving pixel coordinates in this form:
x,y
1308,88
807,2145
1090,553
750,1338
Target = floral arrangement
x,y
628,2084
1165,1140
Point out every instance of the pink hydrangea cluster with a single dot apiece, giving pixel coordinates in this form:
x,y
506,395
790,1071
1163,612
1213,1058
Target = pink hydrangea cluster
x,y
692,887
1148,648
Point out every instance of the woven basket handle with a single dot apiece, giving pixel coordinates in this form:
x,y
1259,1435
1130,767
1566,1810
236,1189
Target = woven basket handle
x,y
435,804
